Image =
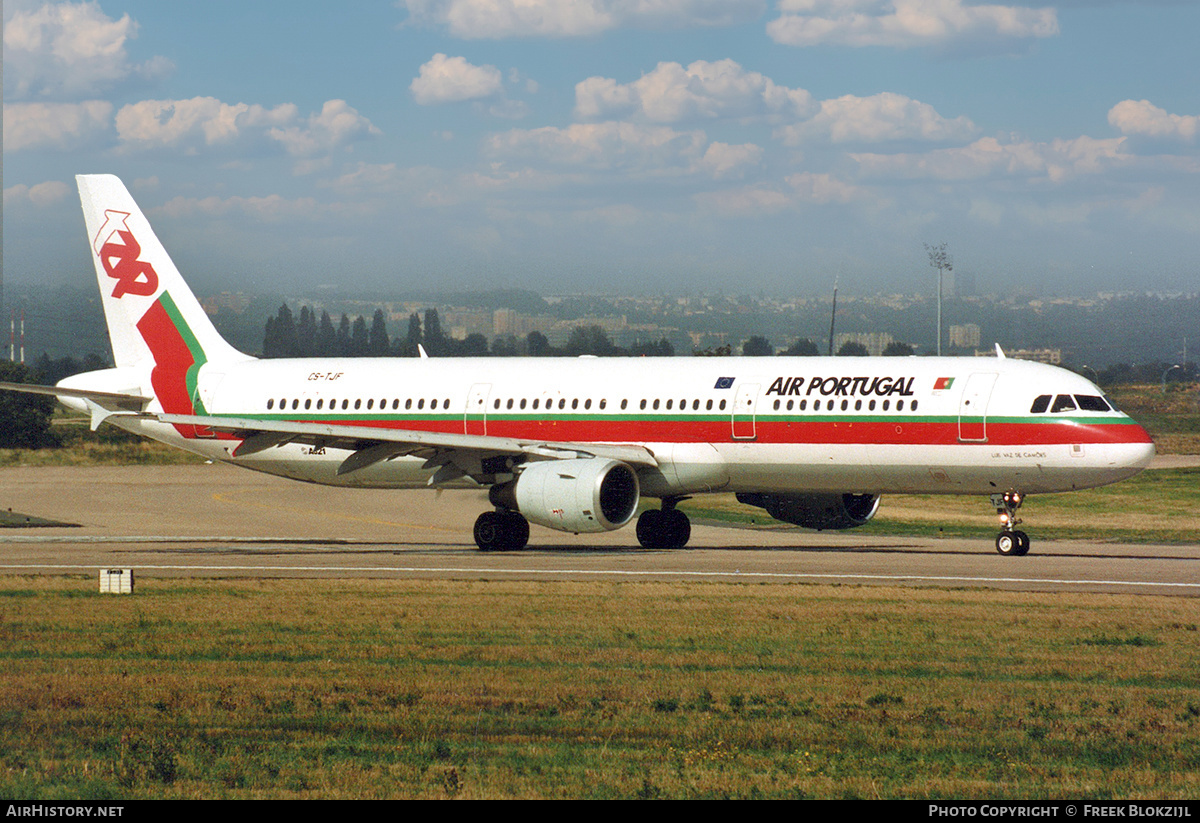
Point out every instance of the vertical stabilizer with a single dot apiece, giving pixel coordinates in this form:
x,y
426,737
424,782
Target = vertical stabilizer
x,y
151,312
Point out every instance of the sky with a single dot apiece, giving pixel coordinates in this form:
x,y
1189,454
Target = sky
x,y
615,146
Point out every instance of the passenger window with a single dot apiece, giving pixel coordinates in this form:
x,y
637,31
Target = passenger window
x,y
1040,404
1090,402
1063,403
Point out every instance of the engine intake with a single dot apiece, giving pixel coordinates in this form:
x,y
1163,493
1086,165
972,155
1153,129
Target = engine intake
x,y
816,511
580,495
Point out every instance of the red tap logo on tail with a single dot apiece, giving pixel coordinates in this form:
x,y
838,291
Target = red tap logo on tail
x,y
118,250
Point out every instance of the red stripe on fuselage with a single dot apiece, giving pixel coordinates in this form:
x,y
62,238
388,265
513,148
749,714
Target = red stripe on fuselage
x,y
897,431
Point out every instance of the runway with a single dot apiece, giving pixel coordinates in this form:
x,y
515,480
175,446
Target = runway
x,y
218,521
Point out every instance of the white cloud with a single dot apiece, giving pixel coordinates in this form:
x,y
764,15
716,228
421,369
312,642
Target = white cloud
x,y
272,208
39,195
880,117
1055,161
906,23
190,126
704,90
749,201
497,19
55,125
822,188
337,124
723,160
69,50
1144,119
452,79
609,145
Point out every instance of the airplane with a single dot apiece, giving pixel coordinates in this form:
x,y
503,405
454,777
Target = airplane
x,y
575,444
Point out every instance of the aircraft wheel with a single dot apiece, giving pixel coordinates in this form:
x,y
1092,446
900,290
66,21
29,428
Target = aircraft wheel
x,y
679,529
501,531
1012,544
649,529
517,528
489,532
663,529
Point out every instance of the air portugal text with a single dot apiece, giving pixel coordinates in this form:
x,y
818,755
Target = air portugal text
x,y
844,386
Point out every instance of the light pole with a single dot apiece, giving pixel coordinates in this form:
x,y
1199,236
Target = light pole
x,y
939,259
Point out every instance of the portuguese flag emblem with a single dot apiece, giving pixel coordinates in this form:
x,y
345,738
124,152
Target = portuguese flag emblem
x,y
943,383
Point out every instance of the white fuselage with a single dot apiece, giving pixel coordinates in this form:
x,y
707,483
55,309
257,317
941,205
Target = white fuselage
x,y
784,425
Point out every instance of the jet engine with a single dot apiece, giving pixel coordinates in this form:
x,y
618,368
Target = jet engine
x,y
816,511
580,495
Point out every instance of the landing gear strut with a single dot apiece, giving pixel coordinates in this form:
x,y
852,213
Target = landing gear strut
x,y
1010,541
502,530
665,528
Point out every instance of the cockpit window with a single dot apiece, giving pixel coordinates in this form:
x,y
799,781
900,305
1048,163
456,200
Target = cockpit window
x,y
1090,402
1040,404
1063,403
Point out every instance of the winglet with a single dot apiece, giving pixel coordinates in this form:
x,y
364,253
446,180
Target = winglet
x,y
1000,352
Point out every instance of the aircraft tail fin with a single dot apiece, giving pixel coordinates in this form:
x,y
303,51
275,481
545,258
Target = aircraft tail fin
x,y
150,311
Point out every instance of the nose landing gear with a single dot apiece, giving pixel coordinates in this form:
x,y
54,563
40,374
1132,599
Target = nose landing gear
x,y
1010,542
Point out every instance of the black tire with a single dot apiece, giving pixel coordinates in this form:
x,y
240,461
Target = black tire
x,y
489,532
1007,544
1022,544
516,529
650,529
678,529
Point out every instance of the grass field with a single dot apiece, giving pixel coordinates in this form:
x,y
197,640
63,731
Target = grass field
x,y
484,689
1159,506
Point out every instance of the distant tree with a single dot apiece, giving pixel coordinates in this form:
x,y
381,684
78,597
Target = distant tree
x,y
852,349
474,345
504,346
645,348
719,351
408,346
590,340
279,338
898,349
377,342
327,342
757,346
344,345
435,338
536,345
24,418
306,333
802,348
360,338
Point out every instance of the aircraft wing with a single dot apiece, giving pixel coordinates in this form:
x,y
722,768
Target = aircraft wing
x,y
101,404
454,455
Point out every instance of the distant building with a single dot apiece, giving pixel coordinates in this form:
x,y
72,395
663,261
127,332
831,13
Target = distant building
x,y
966,336
237,303
873,342
1051,356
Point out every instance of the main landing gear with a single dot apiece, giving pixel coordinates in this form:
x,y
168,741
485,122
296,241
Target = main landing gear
x,y
502,530
665,528
1010,541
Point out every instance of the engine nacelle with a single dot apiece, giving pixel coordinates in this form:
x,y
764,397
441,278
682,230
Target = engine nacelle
x,y
816,511
580,495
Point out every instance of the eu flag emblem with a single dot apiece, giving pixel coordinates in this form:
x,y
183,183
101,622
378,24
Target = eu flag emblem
x,y
724,383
